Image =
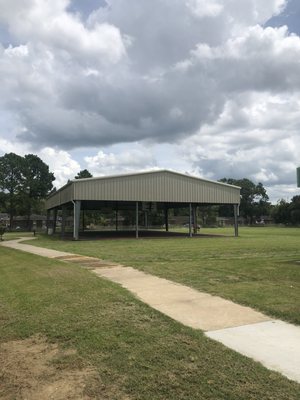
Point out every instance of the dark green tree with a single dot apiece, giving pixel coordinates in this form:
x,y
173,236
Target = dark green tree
x,y
287,213
83,174
295,210
281,212
254,199
36,182
11,179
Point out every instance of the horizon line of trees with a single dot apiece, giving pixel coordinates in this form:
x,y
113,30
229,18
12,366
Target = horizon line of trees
x,y
26,181
287,213
24,184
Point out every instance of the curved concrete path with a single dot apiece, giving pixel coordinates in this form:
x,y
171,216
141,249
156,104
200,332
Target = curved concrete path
x,y
28,248
274,343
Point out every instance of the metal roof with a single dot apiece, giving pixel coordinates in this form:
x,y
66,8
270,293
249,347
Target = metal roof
x,y
151,186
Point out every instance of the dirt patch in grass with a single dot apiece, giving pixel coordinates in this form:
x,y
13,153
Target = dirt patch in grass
x,y
36,369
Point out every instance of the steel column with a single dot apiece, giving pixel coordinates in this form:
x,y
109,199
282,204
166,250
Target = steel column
x,y
167,218
236,225
190,221
195,219
137,220
76,216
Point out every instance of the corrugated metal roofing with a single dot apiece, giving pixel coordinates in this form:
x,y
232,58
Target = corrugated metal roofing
x,y
154,186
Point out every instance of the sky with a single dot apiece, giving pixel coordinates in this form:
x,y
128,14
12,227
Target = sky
x,y
207,88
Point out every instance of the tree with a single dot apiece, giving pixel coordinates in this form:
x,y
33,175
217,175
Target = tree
x,y
83,174
295,210
36,182
281,212
11,181
287,213
254,198
24,182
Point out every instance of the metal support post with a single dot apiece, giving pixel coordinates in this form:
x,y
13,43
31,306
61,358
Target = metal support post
x,y
167,218
76,216
190,221
137,219
236,225
195,220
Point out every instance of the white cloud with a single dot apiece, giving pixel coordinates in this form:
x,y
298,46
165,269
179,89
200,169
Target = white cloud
x,y
7,146
249,140
61,164
18,51
206,75
285,192
133,160
47,24
203,8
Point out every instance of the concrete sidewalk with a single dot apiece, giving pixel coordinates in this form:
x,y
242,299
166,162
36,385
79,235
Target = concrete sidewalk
x,y
189,306
276,344
39,251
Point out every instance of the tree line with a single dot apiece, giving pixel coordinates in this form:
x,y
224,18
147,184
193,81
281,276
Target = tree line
x,y
24,184
287,213
255,204
26,181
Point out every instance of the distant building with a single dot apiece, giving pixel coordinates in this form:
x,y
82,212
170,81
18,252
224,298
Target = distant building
x,y
37,222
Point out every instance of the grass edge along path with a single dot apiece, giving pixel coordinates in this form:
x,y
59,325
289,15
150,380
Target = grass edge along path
x,y
138,352
260,269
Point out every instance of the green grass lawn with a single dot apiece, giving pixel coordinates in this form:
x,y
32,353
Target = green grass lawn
x,y
260,268
137,352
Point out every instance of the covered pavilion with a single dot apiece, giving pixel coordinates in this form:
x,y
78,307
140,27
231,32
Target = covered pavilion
x,y
141,192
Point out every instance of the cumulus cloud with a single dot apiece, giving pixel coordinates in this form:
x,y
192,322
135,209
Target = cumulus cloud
x,y
208,75
116,78
61,164
249,140
7,146
124,162
49,25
